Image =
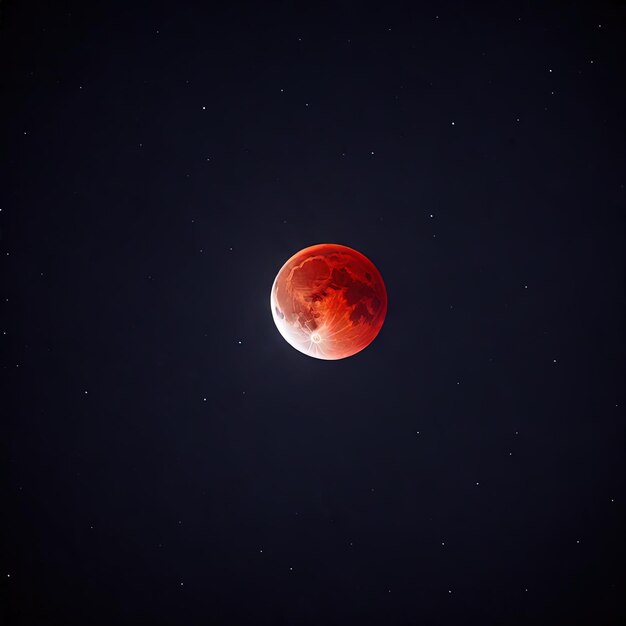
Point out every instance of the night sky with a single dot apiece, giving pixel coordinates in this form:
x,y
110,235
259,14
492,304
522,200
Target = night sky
x,y
168,458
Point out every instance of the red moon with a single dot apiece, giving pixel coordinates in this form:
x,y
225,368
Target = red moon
x,y
329,301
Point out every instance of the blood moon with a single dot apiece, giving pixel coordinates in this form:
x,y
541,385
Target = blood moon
x,y
329,301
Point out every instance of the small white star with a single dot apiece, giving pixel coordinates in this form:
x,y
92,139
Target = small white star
x,y
452,123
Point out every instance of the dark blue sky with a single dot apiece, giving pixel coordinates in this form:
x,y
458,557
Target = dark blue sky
x,y
167,458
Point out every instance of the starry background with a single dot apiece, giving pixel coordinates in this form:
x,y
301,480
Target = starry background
x,y
167,458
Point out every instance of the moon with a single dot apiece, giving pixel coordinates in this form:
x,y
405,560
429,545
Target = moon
x,y
329,301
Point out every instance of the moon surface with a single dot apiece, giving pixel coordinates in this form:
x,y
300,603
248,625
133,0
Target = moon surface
x,y
329,301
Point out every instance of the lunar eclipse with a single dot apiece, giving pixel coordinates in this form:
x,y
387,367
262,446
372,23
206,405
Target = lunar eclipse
x,y
329,301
